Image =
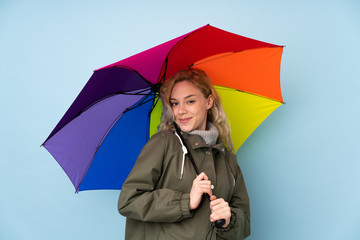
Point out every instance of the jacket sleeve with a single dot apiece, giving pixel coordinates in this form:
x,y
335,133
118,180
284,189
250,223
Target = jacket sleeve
x,y
239,226
140,199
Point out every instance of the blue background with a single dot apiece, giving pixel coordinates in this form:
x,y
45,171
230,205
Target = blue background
x,y
301,165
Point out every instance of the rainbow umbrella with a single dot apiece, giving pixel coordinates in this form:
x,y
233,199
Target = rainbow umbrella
x,y
100,136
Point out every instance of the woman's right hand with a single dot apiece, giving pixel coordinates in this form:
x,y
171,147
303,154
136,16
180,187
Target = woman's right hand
x,y
201,185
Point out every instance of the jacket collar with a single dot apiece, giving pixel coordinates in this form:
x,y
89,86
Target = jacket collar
x,y
195,141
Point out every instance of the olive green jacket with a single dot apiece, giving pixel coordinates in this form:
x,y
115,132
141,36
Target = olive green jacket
x,y
155,197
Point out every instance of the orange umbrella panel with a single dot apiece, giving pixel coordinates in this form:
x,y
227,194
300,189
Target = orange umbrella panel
x,y
255,71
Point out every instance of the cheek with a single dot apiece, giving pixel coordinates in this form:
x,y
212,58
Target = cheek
x,y
201,113
174,112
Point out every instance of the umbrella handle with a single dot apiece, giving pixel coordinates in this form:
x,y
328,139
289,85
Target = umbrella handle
x,y
218,223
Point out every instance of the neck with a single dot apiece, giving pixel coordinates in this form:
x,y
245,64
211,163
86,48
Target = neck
x,y
210,135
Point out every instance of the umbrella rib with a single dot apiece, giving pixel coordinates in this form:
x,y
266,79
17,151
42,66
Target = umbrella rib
x,y
135,71
177,45
149,117
171,52
136,105
142,92
85,172
162,79
254,94
209,60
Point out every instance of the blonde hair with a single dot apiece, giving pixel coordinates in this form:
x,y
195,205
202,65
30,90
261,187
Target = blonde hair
x,y
215,114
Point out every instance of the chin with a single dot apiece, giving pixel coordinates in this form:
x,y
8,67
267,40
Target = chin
x,y
186,128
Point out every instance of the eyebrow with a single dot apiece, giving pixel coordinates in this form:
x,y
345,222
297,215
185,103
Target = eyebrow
x,y
189,96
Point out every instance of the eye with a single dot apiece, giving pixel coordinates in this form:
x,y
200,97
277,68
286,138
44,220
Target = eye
x,y
190,101
173,104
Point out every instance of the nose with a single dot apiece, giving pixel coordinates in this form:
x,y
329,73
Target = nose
x,y
181,109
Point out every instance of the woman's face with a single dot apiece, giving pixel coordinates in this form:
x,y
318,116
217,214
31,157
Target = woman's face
x,y
189,106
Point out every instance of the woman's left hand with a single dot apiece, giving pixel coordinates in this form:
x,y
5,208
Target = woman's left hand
x,y
220,209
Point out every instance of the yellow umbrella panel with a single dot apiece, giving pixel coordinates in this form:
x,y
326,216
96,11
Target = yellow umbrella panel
x,y
245,112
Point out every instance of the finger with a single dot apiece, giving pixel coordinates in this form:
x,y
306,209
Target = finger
x,y
217,202
203,184
199,186
214,217
222,213
203,181
219,207
206,190
202,176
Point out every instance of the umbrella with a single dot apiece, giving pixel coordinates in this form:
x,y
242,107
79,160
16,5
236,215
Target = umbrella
x,y
100,136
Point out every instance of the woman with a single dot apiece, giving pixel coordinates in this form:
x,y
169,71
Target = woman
x,y
162,197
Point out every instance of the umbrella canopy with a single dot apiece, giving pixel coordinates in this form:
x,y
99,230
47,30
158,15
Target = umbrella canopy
x,y
100,136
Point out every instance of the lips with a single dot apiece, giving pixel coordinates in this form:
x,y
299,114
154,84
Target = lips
x,y
184,120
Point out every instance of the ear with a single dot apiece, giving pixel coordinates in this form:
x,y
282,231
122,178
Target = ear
x,y
210,102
